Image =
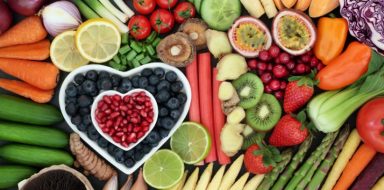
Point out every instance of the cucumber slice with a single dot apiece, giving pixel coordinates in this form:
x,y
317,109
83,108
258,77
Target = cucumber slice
x,y
197,4
220,14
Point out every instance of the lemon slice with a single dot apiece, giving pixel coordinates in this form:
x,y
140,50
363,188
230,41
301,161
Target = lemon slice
x,y
64,53
98,40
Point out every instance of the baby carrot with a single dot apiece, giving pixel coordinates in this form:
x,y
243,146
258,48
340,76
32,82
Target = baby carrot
x,y
26,90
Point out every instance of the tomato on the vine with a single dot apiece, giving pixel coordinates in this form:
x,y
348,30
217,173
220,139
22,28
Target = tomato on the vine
x,y
166,4
139,27
144,6
183,11
370,124
162,21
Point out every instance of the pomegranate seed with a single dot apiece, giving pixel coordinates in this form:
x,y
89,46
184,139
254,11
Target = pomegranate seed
x,y
132,137
266,77
140,134
264,55
107,99
116,98
124,144
262,66
274,51
115,114
280,71
252,64
274,85
119,134
284,58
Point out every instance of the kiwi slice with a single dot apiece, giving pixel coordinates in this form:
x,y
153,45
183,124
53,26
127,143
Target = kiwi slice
x,y
265,115
249,88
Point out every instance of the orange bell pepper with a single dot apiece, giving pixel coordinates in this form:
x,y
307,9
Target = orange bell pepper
x,y
345,69
331,36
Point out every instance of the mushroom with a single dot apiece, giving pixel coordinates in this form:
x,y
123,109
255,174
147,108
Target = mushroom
x,y
176,49
56,177
195,28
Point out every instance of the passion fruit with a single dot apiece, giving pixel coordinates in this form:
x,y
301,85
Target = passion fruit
x,y
293,31
249,36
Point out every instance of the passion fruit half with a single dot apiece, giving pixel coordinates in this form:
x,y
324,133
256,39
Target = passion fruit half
x,y
293,31
249,36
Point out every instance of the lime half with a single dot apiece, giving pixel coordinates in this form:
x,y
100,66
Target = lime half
x,y
191,142
164,169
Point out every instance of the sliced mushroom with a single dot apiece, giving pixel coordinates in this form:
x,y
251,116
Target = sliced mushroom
x,y
195,28
176,49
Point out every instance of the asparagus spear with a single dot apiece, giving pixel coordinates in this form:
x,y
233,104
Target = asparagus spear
x,y
326,165
296,160
323,147
271,177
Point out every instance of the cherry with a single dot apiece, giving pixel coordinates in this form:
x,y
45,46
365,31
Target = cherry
x,y
260,72
284,58
307,69
300,68
290,65
252,64
314,62
283,85
306,58
274,85
274,51
277,60
266,78
280,71
269,66
262,66
264,55
267,89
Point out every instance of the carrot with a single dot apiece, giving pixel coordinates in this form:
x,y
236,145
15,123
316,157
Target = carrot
x,y
37,51
29,30
39,74
218,120
355,166
26,90
205,93
192,75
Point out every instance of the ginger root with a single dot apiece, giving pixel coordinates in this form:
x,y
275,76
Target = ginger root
x,y
231,104
89,160
231,138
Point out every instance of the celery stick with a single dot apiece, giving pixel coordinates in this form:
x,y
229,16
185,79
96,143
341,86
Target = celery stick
x,y
120,15
121,4
85,10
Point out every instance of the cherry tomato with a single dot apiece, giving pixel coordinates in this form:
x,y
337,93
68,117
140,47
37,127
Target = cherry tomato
x,y
139,27
183,11
162,21
144,6
166,4
370,124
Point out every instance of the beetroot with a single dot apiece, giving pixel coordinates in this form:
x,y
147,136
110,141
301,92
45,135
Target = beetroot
x,y
371,173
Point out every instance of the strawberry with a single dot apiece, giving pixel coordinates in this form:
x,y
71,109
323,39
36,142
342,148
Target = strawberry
x,y
261,160
298,92
289,131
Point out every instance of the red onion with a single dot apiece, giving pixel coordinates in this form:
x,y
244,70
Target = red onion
x,y
5,17
60,16
26,7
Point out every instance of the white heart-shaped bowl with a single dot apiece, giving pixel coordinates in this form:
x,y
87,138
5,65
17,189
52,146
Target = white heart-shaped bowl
x,y
132,72
112,92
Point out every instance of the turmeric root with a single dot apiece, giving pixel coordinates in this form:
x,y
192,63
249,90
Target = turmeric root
x,y
87,159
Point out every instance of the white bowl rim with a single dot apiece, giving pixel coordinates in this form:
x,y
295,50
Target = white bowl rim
x,y
69,78
113,92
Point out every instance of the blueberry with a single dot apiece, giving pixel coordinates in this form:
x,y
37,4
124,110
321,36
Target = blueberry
x,y
129,163
167,123
138,155
135,81
154,79
104,83
104,74
89,86
182,98
159,72
102,142
79,79
154,144
151,89
71,90
122,90
138,147
163,112
171,76
177,86
129,154
111,149
80,90
94,93
87,120
115,79
163,85
70,100
162,96
71,109
173,103
146,72
163,133
84,101
84,111
76,120
126,84
91,75
175,114
82,127
119,156
153,137
143,82
93,134
146,149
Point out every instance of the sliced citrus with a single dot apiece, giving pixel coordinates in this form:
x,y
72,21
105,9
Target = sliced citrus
x,y
191,142
64,53
98,40
164,169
